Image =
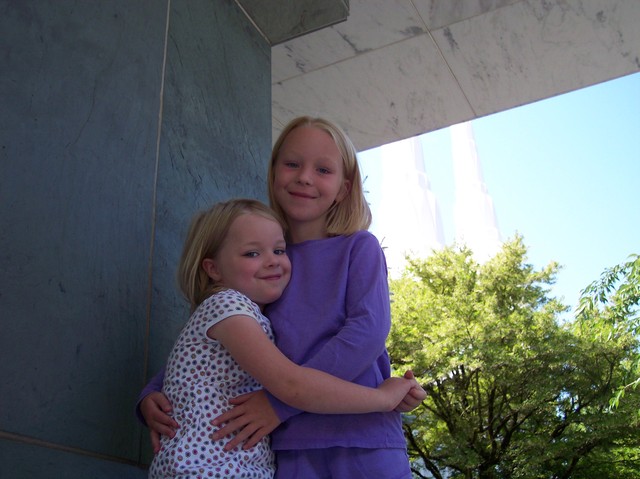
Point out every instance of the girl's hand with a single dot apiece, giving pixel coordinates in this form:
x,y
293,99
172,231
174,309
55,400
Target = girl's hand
x,y
395,390
155,408
414,397
252,417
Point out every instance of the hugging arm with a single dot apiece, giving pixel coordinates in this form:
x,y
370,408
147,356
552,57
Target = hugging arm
x,y
153,410
302,387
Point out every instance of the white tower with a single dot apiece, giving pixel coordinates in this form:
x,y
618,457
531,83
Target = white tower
x,y
412,220
474,214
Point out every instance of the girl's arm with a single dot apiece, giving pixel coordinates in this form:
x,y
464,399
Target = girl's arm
x,y
301,387
153,386
153,409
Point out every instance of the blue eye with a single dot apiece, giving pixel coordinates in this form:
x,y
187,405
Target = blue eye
x,y
251,254
324,171
280,251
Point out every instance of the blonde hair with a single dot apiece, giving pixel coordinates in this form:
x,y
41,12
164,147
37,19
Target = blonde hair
x,y
352,213
205,237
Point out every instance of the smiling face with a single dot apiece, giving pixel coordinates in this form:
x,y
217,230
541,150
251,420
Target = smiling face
x,y
308,179
252,259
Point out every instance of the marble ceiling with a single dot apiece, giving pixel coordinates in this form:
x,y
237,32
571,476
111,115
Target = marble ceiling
x,y
398,68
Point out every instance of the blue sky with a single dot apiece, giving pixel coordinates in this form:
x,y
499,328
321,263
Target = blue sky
x,y
562,172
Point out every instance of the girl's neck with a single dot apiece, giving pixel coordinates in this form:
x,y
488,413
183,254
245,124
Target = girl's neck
x,y
304,232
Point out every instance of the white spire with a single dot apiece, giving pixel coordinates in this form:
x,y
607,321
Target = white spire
x,y
474,214
412,219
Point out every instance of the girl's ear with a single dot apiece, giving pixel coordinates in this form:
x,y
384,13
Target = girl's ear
x,y
209,267
344,191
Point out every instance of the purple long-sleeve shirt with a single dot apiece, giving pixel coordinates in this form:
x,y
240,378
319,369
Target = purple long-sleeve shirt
x,y
334,316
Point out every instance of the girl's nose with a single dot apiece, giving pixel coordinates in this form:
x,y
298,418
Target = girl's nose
x,y
304,176
271,260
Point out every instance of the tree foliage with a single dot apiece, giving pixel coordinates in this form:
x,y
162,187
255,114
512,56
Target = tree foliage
x,y
512,392
609,307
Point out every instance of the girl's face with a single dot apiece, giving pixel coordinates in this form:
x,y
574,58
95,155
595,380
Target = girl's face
x,y
308,179
252,259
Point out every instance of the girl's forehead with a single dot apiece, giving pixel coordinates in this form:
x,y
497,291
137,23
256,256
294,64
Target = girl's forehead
x,y
311,141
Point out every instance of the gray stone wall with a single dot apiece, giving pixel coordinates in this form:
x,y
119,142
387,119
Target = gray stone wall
x,y
119,120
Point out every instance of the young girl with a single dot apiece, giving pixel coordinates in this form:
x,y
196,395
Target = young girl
x,y
334,316
232,265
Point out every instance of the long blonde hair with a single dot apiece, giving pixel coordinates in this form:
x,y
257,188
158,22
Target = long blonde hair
x,y
205,237
352,213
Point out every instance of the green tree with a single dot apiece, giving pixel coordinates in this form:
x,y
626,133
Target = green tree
x,y
512,392
609,308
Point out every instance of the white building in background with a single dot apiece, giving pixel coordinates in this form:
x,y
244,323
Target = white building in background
x,y
473,211
405,210
406,215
